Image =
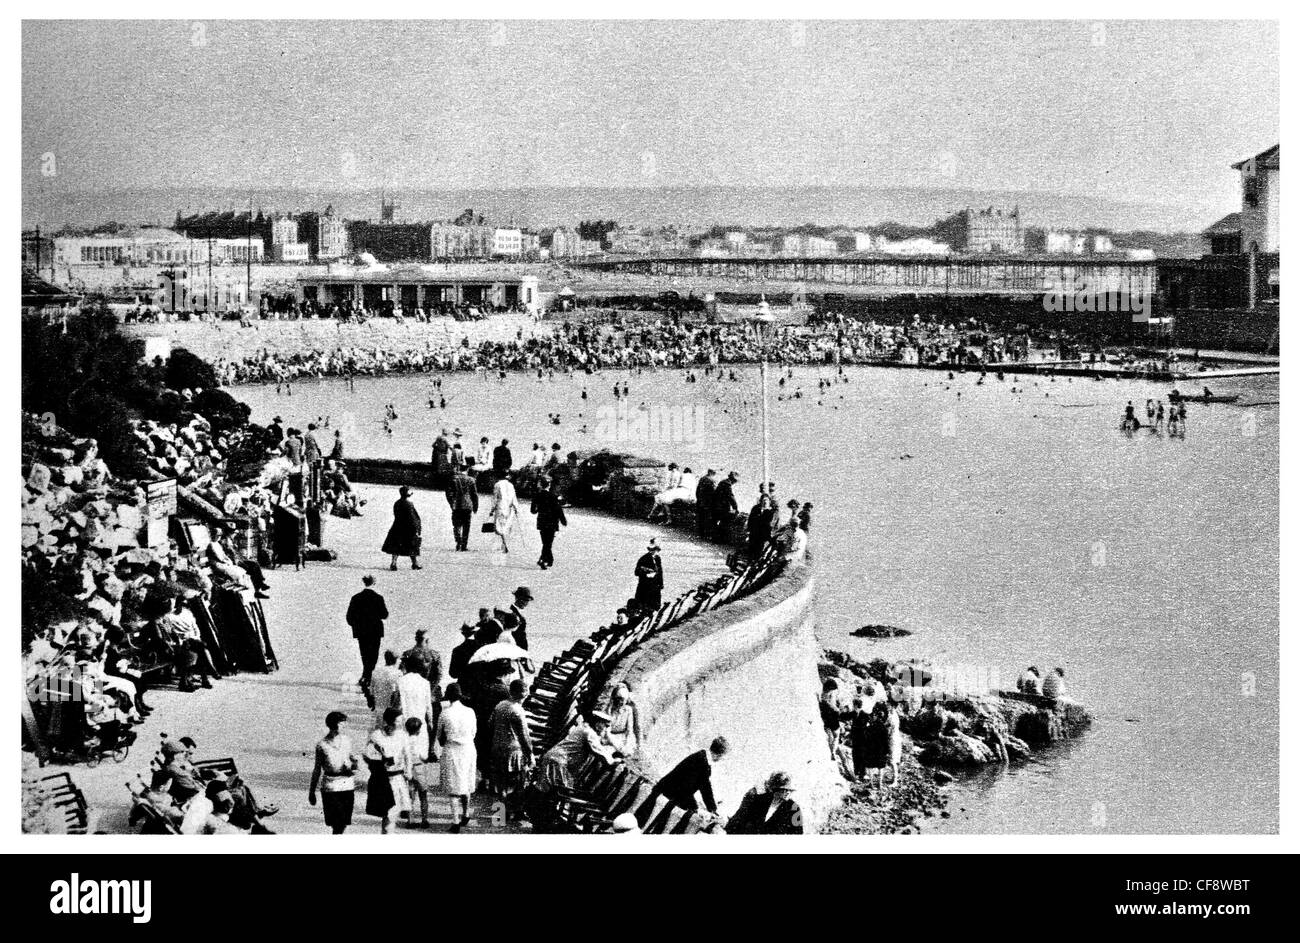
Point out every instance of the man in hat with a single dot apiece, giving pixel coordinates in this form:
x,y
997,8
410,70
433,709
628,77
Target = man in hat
x,y
725,506
311,447
550,518
275,432
650,578
427,659
704,502
460,655
517,624
758,526
366,614
462,495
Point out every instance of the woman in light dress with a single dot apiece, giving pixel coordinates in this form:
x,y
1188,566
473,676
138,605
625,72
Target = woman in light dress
x,y
457,727
512,748
388,754
624,733
560,764
505,511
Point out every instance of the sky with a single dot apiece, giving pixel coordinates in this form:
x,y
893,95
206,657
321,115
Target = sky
x,y
1141,111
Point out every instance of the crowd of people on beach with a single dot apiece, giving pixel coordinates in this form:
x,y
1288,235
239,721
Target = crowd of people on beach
x,y
661,343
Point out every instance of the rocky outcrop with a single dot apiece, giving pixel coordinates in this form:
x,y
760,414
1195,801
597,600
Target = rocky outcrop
x,y
83,529
961,729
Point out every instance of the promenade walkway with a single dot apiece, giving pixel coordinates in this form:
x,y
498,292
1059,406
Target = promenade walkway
x,y
270,723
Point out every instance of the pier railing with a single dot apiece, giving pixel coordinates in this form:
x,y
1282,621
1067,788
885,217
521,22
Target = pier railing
x,y
571,683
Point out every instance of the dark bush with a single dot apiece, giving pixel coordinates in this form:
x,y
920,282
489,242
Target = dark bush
x,y
222,410
186,371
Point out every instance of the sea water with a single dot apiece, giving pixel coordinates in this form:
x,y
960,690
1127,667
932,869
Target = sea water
x,y
1008,525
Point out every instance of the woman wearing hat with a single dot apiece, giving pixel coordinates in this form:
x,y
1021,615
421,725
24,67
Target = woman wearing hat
x,y
771,811
561,762
334,773
624,721
505,510
650,578
403,538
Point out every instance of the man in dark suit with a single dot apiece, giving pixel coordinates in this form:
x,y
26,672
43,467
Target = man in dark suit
x,y
704,503
516,623
724,506
366,614
550,518
502,460
694,775
462,495
650,578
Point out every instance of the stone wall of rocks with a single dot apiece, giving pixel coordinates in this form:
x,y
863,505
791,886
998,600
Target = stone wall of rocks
x,y
71,504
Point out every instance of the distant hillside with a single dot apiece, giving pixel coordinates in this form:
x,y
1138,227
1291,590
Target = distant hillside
x,y
51,207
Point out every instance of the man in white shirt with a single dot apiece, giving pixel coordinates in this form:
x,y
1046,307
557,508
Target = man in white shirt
x,y
383,685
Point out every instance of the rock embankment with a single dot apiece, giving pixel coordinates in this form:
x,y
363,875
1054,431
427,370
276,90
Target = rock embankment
x,y
71,505
942,731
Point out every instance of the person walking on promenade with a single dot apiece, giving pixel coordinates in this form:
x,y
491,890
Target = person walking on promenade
x,y
388,754
512,748
515,622
415,701
462,496
335,774
650,578
725,506
383,686
426,657
366,614
694,775
457,728
505,510
403,538
704,503
336,452
550,518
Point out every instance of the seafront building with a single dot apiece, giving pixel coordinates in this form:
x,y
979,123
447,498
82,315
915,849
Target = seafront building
x,y
422,287
1256,226
151,246
992,230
